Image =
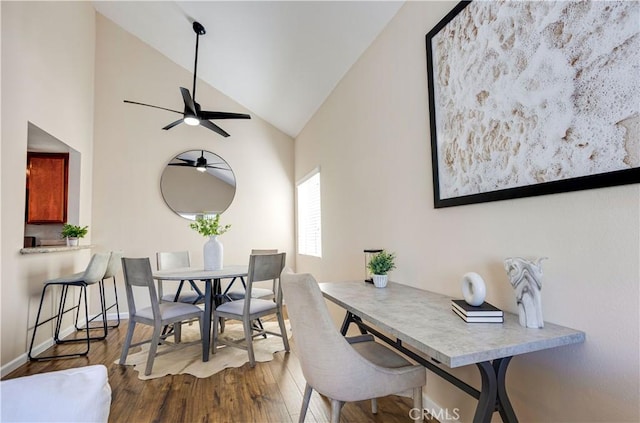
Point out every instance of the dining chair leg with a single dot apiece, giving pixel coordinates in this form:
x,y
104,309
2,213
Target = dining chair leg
x,y
248,336
177,332
283,331
153,349
127,342
214,337
336,406
305,402
374,405
417,403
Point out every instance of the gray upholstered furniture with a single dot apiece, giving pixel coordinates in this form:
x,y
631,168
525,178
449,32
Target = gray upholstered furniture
x,y
256,292
174,260
137,273
262,267
79,394
93,274
114,266
342,370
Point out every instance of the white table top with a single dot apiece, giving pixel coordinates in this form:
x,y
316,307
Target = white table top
x,y
194,273
424,320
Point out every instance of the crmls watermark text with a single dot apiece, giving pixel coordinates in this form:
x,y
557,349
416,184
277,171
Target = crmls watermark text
x,y
441,414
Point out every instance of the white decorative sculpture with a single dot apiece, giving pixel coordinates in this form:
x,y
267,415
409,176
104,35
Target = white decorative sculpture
x,y
526,279
474,290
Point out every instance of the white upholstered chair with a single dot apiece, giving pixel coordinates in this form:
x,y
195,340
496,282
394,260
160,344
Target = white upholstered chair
x,y
137,273
262,267
341,370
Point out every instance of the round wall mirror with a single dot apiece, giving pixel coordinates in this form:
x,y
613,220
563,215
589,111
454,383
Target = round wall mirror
x,y
197,183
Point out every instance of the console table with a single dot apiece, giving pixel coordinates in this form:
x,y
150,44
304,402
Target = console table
x,y
404,317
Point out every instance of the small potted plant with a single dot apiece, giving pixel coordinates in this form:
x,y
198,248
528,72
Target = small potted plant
x,y
73,233
379,265
213,249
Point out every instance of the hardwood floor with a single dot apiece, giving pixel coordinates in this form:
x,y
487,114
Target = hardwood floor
x,y
270,392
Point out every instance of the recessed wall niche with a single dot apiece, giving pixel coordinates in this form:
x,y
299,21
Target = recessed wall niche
x,y
42,234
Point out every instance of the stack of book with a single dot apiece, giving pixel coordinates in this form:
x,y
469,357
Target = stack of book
x,y
484,313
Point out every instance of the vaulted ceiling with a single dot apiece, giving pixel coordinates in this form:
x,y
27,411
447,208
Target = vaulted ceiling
x,y
279,59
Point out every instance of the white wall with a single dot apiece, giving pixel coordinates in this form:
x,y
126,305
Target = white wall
x,y
131,151
47,79
60,61
371,140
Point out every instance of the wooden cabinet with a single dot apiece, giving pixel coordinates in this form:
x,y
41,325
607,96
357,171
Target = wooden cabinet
x,y
47,187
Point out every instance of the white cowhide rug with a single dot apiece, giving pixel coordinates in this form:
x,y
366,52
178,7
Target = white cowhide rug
x,y
186,357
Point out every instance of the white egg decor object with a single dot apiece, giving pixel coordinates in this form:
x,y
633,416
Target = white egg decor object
x,y
474,290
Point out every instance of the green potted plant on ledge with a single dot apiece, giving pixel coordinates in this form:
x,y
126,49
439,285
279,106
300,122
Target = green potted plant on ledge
x,y
213,249
379,265
73,233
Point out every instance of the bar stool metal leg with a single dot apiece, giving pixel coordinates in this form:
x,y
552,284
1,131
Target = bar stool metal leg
x,y
58,317
102,314
115,304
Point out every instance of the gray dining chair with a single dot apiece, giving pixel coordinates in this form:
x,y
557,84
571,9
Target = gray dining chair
x,y
340,368
262,267
93,274
167,260
256,292
137,273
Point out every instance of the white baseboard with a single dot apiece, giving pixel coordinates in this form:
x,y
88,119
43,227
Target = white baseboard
x,y
40,348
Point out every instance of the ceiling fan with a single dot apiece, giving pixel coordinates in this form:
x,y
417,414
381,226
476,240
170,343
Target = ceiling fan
x,y
200,163
192,114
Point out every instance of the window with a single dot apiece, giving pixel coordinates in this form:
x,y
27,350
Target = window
x,y
309,217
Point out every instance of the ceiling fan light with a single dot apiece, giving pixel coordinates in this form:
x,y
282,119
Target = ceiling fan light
x,y
201,169
191,120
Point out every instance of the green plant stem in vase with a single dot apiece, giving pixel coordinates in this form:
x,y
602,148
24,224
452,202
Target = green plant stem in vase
x,y
209,226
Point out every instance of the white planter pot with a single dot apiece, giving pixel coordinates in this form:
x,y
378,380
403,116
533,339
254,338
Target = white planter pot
x,y
380,281
212,253
72,242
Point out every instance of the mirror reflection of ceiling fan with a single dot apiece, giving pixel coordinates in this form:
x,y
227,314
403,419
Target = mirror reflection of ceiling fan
x,y
200,163
192,114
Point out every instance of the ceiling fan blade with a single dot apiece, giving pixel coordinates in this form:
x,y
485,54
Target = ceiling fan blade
x,y
188,101
172,124
223,115
151,105
213,127
189,161
216,167
182,164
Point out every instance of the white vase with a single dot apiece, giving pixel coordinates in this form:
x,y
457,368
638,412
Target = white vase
x,y
72,242
380,281
212,253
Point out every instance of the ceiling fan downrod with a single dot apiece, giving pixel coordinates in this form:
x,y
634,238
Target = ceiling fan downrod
x,y
199,30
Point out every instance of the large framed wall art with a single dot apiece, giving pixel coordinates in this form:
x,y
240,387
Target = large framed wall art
x,y
533,97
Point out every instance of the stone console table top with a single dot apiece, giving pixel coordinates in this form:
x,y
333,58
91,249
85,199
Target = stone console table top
x,y
424,320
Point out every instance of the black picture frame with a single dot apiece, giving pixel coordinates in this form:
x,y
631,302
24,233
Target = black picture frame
x,y
442,199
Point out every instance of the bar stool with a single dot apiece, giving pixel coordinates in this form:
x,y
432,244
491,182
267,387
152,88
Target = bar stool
x,y
114,266
94,273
